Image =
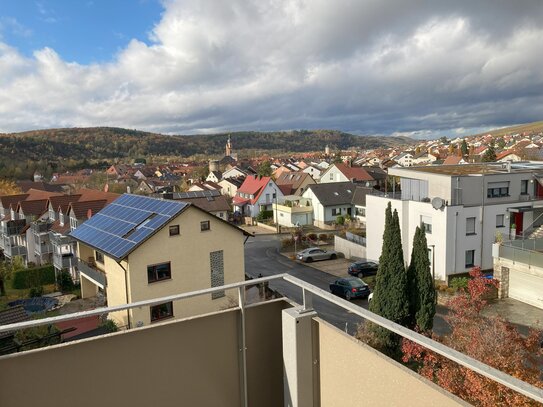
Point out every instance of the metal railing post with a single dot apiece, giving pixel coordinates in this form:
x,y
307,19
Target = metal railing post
x,y
242,348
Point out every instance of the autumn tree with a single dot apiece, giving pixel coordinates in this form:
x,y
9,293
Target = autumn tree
x,y
489,339
390,294
8,188
421,291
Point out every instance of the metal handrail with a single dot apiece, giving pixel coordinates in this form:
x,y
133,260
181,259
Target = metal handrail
x,y
498,376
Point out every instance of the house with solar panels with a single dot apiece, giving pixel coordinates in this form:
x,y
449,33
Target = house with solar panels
x,y
138,248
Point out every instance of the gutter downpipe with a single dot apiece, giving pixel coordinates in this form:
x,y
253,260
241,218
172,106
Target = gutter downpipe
x,y
126,293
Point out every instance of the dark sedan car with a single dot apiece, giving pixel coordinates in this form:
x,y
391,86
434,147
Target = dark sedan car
x,y
362,268
350,287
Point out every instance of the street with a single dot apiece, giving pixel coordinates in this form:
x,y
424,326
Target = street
x,y
262,258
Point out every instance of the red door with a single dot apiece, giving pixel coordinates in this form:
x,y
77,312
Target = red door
x,y
519,216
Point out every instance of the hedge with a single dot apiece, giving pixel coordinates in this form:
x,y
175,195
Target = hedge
x,y
265,215
34,277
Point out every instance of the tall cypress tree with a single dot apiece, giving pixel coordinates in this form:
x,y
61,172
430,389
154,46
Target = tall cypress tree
x,y
422,295
390,294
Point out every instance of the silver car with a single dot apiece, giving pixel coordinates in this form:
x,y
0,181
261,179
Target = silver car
x,y
315,253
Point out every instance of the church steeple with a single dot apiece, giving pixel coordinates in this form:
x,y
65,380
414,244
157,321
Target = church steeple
x,y
228,150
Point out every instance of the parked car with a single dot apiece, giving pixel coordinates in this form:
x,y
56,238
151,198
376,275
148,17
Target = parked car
x,y
350,287
315,253
362,268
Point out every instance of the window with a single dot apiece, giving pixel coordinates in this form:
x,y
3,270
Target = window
x,y
497,189
51,214
159,272
500,221
204,225
524,187
470,258
361,211
216,260
426,223
73,223
336,211
221,215
161,311
331,176
99,256
174,230
470,226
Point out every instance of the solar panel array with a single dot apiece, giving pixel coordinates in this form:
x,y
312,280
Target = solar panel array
x,y
125,223
196,194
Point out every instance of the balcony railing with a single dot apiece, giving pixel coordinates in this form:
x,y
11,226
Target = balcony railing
x,y
11,250
64,261
40,227
43,247
13,227
528,251
58,239
92,273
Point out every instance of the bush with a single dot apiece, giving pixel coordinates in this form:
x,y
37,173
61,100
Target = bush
x,y
340,220
442,287
459,282
311,236
287,242
65,281
109,325
264,215
451,290
36,291
33,277
323,236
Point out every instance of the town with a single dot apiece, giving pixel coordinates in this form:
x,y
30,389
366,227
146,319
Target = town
x,y
70,245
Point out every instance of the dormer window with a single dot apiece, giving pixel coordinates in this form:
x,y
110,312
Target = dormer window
x,y
51,214
61,219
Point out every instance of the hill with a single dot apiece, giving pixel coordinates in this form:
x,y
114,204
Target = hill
x,y
103,143
528,128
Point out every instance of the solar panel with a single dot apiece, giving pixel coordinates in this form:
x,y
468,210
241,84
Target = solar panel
x,y
125,223
196,194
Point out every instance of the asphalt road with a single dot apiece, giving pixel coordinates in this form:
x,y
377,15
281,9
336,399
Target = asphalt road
x,y
262,257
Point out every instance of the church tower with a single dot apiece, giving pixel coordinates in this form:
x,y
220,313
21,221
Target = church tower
x,y
228,150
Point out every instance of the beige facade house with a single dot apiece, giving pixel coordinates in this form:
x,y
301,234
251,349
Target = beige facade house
x,y
138,248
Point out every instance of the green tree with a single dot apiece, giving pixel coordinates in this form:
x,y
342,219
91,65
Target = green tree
x,y
443,139
265,169
501,143
490,153
422,294
464,148
390,298
5,274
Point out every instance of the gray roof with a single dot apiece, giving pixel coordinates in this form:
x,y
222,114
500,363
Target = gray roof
x,y
359,195
12,316
333,193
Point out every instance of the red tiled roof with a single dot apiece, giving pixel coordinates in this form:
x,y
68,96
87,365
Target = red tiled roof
x,y
95,195
7,200
64,229
63,202
34,207
452,159
354,173
34,194
253,185
81,208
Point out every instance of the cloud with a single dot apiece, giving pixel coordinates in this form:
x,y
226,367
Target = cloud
x,y
369,67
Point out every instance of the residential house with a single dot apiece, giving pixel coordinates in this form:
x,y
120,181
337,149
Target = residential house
x,y
405,159
139,248
234,172
211,201
205,186
454,160
463,208
359,203
295,211
294,183
231,185
314,171
329,200
423,157
340,172
257,194
214,176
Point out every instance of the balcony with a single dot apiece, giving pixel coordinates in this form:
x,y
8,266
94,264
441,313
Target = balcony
x,y
91,272
64,261
11,250
58,239
269,354
39,228
13,227
43,247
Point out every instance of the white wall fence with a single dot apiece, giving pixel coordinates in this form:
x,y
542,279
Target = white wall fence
x,y
349,249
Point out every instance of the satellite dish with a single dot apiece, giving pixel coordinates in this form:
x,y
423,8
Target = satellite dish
x,y
437,203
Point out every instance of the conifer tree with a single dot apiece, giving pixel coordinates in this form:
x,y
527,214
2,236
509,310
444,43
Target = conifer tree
x,y
422,307
464,148
390,294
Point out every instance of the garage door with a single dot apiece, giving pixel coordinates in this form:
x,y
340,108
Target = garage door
x,y
526,288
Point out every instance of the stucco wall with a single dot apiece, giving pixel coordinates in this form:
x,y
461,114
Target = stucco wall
x,y
352,373
194,362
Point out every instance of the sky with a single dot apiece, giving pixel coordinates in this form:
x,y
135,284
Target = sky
x,y
419,68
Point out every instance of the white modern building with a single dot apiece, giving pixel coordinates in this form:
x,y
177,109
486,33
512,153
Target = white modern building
x,y
464,208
